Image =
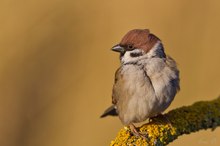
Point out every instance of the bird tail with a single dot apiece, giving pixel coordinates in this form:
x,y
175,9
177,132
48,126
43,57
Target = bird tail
x,y
111,111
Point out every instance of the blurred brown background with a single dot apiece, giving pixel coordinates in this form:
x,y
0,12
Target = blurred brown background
x,y
57,70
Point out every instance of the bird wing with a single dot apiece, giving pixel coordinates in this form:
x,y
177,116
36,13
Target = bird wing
x,y
112,110
115,90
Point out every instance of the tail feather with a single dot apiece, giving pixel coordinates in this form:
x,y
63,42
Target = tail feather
x,y
111,111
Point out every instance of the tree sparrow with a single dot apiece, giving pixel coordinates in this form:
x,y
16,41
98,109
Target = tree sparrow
x,y
147,80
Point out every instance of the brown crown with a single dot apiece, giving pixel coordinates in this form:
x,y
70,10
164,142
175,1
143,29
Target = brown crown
x,y
140,38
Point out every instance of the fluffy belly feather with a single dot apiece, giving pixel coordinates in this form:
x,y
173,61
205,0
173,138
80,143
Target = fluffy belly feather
x,y
139,98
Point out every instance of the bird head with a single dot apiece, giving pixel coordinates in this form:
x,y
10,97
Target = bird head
x,y
138,44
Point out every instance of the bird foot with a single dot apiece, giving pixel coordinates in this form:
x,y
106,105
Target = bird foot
x,y
135,132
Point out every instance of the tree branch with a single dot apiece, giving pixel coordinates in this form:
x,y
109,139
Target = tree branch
x,y
164,129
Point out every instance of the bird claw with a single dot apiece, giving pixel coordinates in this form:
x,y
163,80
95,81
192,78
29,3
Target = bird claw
x,y
135,132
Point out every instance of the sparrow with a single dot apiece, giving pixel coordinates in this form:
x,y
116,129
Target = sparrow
x,y
146,81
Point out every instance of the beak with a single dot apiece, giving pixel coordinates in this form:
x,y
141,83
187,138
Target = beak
x,y
118,48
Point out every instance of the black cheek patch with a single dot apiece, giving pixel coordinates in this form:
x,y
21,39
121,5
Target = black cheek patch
x,y
136,54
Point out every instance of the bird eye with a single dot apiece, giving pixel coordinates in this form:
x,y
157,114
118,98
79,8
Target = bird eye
x,y
130,47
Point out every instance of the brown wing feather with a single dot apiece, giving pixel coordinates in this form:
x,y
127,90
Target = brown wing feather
x,y
115,95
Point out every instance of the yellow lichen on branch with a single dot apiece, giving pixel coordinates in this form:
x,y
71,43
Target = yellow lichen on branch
x,y
164,129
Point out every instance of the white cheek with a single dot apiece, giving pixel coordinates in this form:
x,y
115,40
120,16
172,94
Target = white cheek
x,y
127,56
